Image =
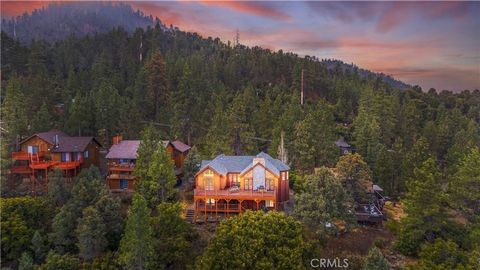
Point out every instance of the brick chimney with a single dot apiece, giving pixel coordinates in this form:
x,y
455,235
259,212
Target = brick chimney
x,y
117,139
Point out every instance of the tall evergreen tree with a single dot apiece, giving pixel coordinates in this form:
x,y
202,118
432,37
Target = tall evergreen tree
x,y
91,234
323,202
136,247
157,86
424,204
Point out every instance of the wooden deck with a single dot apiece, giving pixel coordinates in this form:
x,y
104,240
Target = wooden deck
x,y
121,167
25,155
235,195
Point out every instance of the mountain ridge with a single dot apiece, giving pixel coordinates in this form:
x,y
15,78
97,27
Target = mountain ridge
x,y
58,21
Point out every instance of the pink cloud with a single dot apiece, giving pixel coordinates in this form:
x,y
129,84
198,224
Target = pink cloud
x,y
250,8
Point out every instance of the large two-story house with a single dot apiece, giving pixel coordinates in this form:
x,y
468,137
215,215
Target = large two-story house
x,y
122,156
232,184
45,151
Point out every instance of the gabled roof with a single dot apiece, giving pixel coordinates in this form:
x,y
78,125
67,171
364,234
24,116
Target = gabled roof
x,y
177,145
48,136
180,146
342,143
126,149
73,144
241,164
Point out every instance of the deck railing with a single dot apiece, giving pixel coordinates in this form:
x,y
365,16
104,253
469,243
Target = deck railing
x,y
235,193
26,155
113,166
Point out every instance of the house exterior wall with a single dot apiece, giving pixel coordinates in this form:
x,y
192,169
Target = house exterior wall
x,y
43,146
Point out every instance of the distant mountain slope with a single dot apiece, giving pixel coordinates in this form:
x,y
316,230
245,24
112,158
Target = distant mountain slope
x,y
60,20
332,64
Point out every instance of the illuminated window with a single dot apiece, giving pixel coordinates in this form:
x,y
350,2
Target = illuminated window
x,y
210,201
248,184
209,182
234,180
269,183
269,203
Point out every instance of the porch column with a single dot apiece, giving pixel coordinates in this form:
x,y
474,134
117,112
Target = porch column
x,y
205,214
216,210
227,207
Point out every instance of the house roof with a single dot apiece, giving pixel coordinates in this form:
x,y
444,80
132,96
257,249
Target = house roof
x,y
73,144
342,143
241,164
126,149
48,136
180,146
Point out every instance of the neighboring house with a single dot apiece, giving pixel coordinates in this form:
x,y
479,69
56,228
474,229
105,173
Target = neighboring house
x,y
45,151
232,184
344,146
122,156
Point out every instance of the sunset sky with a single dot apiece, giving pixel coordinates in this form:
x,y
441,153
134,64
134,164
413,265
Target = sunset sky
x,y
433,44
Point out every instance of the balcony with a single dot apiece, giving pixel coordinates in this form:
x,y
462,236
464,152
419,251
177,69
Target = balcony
x,y
20,169
237,194
26,155
121,167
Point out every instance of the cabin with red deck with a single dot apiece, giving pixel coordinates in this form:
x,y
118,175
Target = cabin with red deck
x,y
230,185
46,151
122,156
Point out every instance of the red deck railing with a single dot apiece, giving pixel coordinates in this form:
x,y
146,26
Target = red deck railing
x,y
25,155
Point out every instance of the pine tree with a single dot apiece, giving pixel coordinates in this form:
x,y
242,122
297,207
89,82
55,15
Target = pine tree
x,y
136,247
191,165
148,144
184,107
424,204
375,260
465,185
109,209
239,118
315,137
43,119
58,193
161,172
323,201
38,247
14,113
91,234
157,88
217,139
172,236
354,174
25,262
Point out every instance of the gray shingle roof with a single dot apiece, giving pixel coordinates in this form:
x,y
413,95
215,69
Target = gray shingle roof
x,y
241,164
126,149
342,143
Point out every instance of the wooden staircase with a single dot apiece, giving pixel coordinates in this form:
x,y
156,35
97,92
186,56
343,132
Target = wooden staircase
x,y
189,215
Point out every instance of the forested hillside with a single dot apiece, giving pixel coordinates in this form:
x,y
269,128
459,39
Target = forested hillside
x,y
60,20
421,147
220,98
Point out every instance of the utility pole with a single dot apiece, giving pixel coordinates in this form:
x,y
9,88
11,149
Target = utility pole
x,y
236,41
282,152
301,91
141,47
